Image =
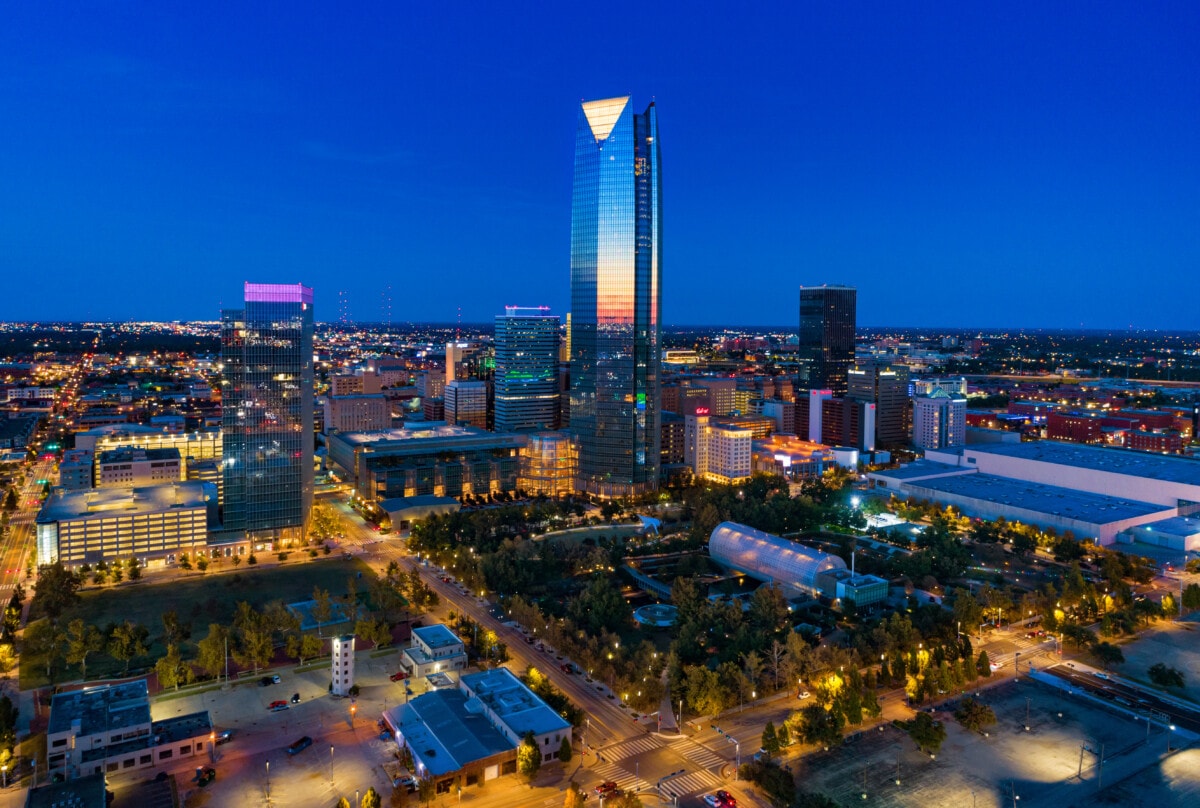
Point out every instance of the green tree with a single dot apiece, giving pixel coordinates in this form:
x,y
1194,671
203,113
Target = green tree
x,y
820,726
426,790
46,640
983,665
372,799
172,670
10,500
343,803
211,650
1107,653
174,632
529,758
626,799
975,715
600,607
1165,676
703,690
564,751
134,568
322,610
57,590
83,640
8,659
928,733
770,739
1191,597
127,642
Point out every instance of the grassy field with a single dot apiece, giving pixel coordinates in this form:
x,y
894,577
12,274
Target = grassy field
x,y
199,600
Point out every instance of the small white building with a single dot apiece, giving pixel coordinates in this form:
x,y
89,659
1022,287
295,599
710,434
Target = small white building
x,y
433,649
343,665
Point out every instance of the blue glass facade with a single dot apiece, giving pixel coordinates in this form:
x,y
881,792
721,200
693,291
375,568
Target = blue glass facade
x,y
526,378
267,412
616,271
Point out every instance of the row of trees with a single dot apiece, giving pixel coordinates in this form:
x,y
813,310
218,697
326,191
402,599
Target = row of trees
x,y
634,672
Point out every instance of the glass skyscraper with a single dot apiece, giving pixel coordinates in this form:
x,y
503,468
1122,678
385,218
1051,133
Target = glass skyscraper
x,y
526,380
616,297
827,322
267,412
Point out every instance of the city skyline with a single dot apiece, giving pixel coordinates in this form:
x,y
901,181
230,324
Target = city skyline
x,y
962,168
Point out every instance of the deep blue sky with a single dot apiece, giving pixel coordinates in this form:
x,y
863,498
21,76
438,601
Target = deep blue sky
x,y
963,164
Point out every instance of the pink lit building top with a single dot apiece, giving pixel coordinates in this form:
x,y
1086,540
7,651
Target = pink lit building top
x,y
278,293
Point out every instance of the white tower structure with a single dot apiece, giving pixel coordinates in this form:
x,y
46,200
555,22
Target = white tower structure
x,y
343,664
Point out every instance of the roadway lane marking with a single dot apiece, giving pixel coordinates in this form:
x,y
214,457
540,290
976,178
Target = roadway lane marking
x,y
630,748
697,753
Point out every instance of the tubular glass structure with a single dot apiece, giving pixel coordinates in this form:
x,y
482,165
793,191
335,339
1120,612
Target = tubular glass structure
x,y
770,559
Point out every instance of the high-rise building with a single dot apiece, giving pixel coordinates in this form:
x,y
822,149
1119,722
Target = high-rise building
x,y
526,379
887,388
466,403
827,322
717,452
267,412
616,297
939,420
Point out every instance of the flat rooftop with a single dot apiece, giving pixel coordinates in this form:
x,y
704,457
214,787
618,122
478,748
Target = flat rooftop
x,y
444,733
1181,526
1066,503
437,636
65,505
100,709
131,454
920,469
1117,461
419,433
514,703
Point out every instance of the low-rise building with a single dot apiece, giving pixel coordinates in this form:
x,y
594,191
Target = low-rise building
x,y
75,470
106,729
130,467
357,413
717,452
465,736
433,649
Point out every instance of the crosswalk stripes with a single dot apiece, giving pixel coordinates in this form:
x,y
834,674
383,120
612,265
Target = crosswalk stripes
x,y
702,780
698,754
616,773
630,748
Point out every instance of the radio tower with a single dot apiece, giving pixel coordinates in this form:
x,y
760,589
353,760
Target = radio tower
x,y
385,304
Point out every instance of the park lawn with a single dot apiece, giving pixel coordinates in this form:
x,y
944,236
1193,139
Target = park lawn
x,y
199,599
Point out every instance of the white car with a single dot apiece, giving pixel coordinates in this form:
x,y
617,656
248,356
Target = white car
x,y
804,694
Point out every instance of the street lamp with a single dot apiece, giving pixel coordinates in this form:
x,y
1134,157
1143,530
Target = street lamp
x,y
268,782
1170,729
330,764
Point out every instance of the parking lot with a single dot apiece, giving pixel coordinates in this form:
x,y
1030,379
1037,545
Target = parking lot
x,y
1054,762
261,736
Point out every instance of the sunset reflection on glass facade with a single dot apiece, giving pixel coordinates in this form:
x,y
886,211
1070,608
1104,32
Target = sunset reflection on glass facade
x,y
616,266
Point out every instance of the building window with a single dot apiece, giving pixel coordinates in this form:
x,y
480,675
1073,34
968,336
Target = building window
x,y
111,767
183,750
127,763
144,759
164,754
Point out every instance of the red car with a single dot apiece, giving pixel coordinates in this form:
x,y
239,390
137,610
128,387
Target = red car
x,y
727,799
276,706
604,789
398,676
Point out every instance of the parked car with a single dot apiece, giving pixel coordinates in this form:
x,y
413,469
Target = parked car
x,y
205,775
727,799
606,788
804,694
265,682
712,801
398,676
300,745
224,736
276,706
295,698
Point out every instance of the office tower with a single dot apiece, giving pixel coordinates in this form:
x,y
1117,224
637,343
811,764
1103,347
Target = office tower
x,y
453,357
616,297
267,412
939,420
827,321
466,403
887,388
526,379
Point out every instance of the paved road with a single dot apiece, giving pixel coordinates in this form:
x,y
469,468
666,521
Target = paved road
x,y
1131,697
